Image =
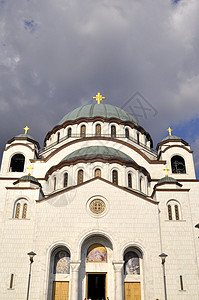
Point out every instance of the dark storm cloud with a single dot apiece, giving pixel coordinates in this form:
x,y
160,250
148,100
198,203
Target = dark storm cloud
x,y
55,55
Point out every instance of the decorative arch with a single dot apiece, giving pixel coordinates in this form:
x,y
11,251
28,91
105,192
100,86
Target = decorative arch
x,y
132,256
17,163
99,234
178,165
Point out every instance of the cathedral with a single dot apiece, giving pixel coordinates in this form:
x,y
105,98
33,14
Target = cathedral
x,y
98,213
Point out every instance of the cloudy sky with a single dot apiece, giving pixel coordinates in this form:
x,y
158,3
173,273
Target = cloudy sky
x,y
56,55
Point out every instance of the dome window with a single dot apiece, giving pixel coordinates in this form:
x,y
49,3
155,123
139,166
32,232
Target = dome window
x,y
115,177
113,131
178,165
17,163
130,180
54,183
58,137
138,138
80,177
69,132
98,130
83,131
97,173
65,179
126,132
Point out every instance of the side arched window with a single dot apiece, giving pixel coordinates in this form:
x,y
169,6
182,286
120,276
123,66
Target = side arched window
x,y
178,165
83,131
65,179
115,177
126,132
97,173
20,209
17,163
169,212
174,210
98,130
69,132
113,131
80,177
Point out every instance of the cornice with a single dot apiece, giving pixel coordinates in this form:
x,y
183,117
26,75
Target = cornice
x,y
19,144
175,146
99,159
104,180
96,138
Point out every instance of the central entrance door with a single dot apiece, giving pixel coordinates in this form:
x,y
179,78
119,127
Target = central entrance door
x,y
96,289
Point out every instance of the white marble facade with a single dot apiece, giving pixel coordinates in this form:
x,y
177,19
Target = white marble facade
x,y
120,211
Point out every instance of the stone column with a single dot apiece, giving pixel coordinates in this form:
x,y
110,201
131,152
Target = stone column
x,y
118,267
74,267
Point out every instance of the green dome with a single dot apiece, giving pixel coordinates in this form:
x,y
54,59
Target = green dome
x,y
172,137
28,178
98,110
98,151
23,135
167,180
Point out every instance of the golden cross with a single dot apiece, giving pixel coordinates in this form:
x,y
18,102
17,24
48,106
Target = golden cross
x,y
166,170
169,130
99,98
26,129
29,168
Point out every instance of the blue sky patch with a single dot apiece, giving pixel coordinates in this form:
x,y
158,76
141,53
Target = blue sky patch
x,y
30,25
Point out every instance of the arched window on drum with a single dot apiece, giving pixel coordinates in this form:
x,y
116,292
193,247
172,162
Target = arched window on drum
x,y
98,130
178,165
17,163
126,132
96,253
83,131
80,176
113,131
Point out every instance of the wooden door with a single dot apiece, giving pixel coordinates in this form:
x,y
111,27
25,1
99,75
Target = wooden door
x,y
132,291
60,290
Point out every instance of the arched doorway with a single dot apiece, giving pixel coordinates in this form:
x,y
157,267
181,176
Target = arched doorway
x,y
59,274
133,274
96,270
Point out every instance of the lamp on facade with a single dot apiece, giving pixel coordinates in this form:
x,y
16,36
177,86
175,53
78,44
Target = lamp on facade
x,y
31,256
163,257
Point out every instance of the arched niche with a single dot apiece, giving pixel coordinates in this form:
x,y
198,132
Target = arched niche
x,y
59,271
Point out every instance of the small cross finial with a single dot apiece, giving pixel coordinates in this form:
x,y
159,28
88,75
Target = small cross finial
x,y
26,129
29,168
166,170
169,130
99,98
